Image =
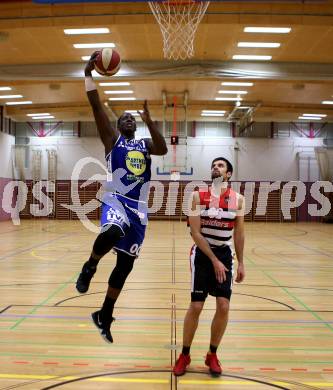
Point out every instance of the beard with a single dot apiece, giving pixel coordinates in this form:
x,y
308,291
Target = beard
x,y
216,175
218,179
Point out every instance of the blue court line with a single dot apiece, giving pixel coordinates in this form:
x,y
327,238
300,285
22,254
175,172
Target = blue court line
x,y
33,247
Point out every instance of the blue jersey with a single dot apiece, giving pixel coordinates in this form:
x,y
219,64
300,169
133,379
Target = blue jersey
x,y
129,163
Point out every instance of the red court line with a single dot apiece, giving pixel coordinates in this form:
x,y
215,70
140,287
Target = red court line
x,y
50,362
299,369
267,369
21,362
111,365
142,366
80,364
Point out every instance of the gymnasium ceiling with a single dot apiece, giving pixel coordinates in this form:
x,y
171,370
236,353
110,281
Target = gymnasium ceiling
x,y
38,61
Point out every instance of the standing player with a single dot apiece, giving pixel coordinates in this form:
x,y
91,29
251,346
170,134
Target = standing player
x,y
216,215
124,208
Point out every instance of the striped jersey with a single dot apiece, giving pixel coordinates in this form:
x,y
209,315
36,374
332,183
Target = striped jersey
x,y
217,216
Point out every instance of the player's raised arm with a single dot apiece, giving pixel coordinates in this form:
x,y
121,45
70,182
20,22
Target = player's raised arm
x,y
157,143
107,133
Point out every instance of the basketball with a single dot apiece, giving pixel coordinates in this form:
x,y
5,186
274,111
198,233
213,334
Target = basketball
x,y
107,62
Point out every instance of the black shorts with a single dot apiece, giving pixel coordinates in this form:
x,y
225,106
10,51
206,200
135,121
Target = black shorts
x,y
204,281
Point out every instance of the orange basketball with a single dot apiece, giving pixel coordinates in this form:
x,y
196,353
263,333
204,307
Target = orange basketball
x,y
107,62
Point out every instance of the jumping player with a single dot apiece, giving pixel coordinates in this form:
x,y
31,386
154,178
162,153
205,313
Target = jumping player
x,y
124,207
216,215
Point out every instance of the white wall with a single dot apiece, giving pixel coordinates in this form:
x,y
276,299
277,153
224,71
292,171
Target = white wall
x,y
258,159
6,142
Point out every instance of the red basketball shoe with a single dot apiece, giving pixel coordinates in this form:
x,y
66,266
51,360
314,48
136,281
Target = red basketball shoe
x,y
214,364
181,364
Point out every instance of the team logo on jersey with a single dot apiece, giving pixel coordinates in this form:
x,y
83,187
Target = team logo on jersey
x,y
136,162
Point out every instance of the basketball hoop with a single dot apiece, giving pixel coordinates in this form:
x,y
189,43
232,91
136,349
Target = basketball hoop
x,y
178,21
174,175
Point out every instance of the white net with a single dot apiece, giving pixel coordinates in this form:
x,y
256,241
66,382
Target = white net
x,y
178,21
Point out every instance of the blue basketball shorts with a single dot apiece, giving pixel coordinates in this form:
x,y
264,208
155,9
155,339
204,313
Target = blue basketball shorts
x,y
131,219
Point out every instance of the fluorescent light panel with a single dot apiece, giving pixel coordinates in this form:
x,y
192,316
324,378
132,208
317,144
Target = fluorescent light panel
x,y
119,84
234,92
10,96
207,114
17,103
259,44
42,114
5,89
43,117
231,99
122,98
118,92
133,113
318,115
327,102
213,111
78,31
251,57
271,30
316,118
93,45
236,84
85,58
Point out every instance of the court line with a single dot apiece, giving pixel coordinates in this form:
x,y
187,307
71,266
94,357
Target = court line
x,y
161,319
226,369
60,288
306,247
34,246
104,378
116,355
97,379
122,345
314,314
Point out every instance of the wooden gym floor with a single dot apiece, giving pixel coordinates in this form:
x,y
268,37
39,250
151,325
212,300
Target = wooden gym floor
x,y
280,333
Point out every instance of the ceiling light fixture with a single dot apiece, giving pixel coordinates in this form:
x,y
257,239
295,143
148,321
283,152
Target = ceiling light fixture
x,y
233,92
118,92
93,45
319,115
5,89
10,96
206,114
122,98
259,44
42,114
17,103
78,31
119,84
271,30
231,99
236,84
251,57
316,118
213,111
43,117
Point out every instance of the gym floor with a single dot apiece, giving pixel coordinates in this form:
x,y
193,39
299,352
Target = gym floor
x,y
279,334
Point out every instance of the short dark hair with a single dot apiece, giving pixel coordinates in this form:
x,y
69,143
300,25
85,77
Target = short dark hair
x,y
229,165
